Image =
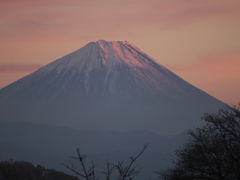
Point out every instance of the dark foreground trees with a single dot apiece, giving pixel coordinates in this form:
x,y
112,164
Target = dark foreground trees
x,y
20,170
212,152
118,171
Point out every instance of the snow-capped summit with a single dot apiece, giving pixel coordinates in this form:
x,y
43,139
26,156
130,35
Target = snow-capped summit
x,y
102,68
103,86
122,52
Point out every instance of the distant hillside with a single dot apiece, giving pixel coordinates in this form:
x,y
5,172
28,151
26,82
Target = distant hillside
x,y
109,86
21,170
52,145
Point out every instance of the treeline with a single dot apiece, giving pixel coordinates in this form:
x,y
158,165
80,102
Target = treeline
x,y
20,170
212,152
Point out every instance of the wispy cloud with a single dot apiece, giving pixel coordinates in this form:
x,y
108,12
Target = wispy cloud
x,y
106,15
216,73
18,68
179,30
216,66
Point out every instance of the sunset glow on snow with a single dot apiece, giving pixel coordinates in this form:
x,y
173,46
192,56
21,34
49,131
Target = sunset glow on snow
x,y
197,40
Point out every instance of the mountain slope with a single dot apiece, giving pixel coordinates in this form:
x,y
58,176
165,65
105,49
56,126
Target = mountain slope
x,y
102,69
106,86
52,145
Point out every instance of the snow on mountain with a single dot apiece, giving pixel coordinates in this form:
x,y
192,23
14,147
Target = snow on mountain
x,y
103,86
103,68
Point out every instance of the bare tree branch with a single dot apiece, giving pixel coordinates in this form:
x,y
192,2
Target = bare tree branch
x,y
129,171
212,152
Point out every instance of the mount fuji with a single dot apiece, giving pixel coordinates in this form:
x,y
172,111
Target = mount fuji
x,y
109,86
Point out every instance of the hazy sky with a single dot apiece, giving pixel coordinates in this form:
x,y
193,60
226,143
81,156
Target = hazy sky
x,y
199,40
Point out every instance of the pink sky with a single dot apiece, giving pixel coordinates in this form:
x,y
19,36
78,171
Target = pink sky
x,y
197,40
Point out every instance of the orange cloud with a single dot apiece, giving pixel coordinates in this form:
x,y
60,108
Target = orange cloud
x,y
215,73
18,68
218,65
61,20
45,18
33,31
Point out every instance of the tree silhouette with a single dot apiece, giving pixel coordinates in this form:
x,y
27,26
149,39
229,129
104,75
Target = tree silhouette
x,y
122,171
21,170
212,152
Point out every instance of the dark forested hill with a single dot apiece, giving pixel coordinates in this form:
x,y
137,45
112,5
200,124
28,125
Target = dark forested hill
x,y
21,170
52,145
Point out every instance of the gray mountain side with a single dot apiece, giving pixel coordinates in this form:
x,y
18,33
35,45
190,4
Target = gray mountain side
x,y
109,86
50,146
108,99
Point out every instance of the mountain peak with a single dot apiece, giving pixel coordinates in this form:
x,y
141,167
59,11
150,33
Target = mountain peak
x,y
104,69
119,51
122,52
105,85
110,42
